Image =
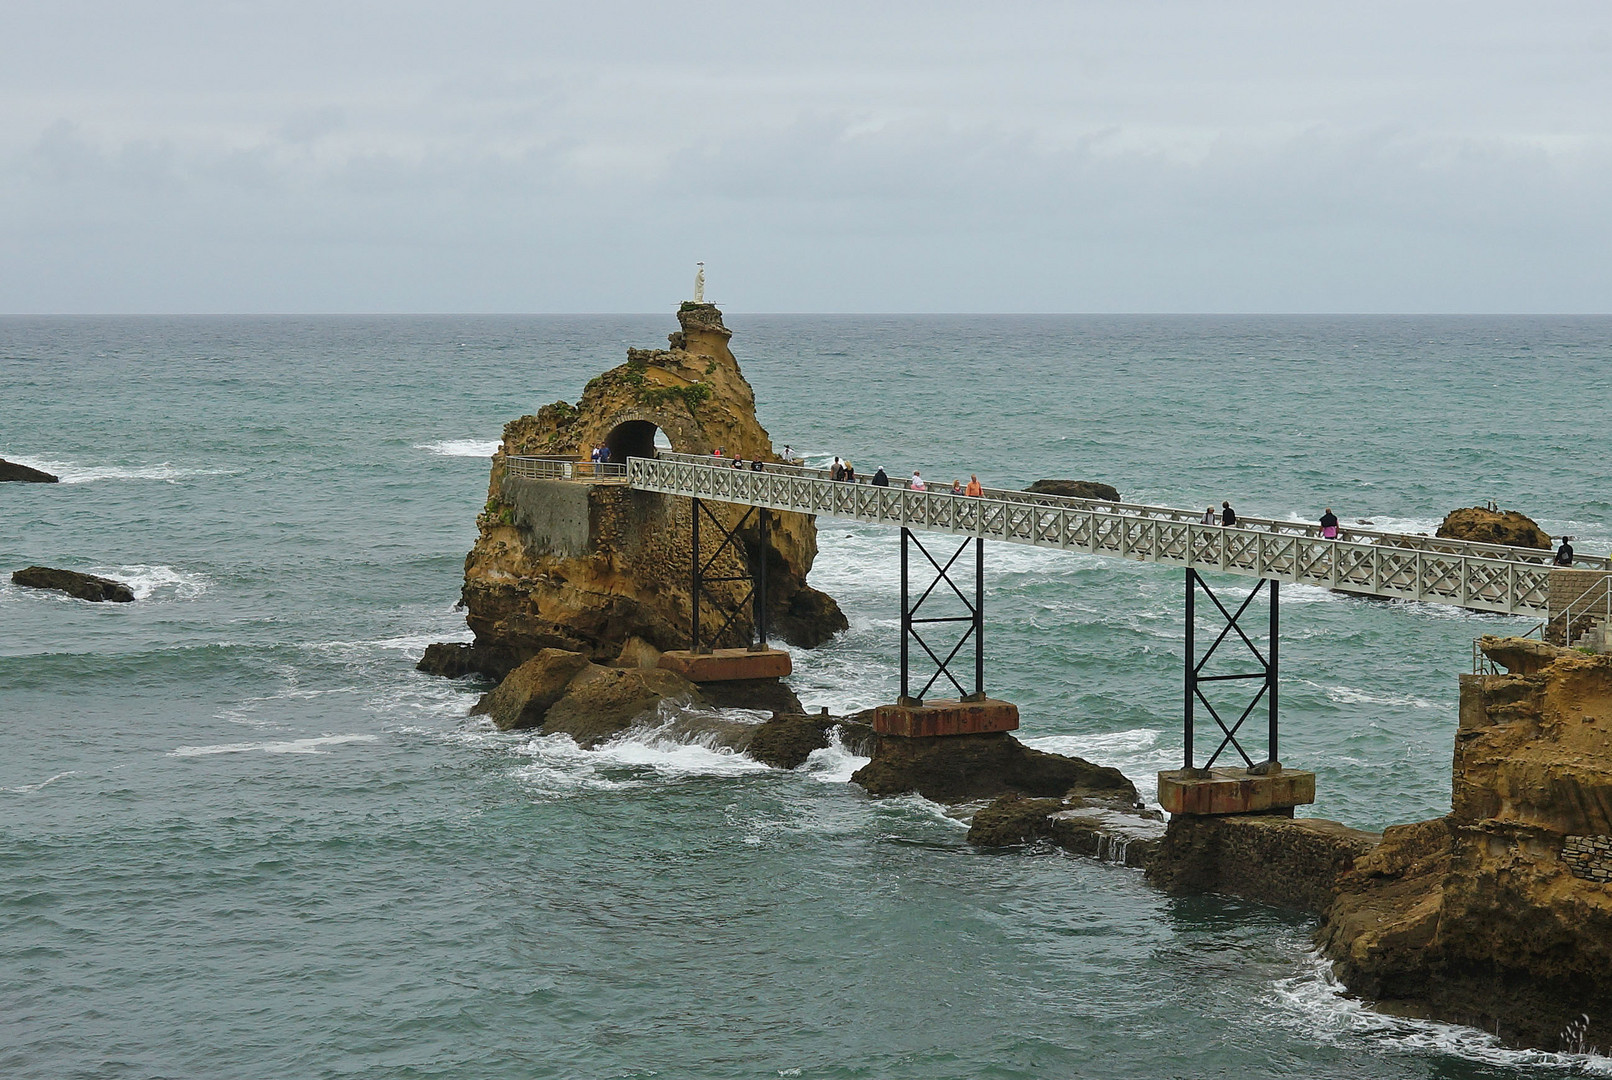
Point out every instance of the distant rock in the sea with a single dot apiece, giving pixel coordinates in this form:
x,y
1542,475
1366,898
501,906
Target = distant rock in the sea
x,y
1482,525
10,470
71,582
1075,489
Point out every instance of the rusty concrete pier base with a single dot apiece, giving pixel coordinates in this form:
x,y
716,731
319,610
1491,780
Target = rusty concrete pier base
x,y
1209,792
946,716
727,665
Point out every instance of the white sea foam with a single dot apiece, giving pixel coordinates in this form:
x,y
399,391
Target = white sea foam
x,y
1316,1003
313,745
25,789
1348,695
70,472
468,448
834,763
1138,753
150,581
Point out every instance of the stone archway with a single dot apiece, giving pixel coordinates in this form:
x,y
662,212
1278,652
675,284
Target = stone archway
x,y
631,438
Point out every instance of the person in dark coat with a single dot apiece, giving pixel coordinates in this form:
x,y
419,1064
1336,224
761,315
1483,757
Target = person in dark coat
x,y
1228,516
880,479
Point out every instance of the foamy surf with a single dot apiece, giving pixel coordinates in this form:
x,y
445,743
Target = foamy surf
x,y
315,745
28,789
71,472
1317,1003
466,448
150,581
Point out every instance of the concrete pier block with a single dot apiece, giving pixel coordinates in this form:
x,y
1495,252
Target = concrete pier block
x,y
945,716
1234,791
727,665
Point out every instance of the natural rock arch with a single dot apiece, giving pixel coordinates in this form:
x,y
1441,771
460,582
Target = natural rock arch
x,y
631,433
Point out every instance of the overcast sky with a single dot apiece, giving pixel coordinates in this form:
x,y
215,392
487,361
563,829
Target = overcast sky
x,y
1135,155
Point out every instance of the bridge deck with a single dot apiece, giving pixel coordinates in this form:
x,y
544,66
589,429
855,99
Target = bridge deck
x,y
1479,577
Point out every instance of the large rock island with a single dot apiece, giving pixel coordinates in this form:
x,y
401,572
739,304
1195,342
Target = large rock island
x,y
588,567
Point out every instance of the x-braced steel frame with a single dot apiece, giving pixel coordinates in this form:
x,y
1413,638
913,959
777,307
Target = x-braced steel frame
x,y
1266,673
756,575
910,620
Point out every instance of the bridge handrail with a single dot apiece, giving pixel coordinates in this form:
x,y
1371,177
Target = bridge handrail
x,y
1503,552
560,467
1475,582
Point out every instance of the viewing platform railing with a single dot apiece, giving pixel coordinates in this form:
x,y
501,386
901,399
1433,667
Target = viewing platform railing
x,y
564,468
1479,577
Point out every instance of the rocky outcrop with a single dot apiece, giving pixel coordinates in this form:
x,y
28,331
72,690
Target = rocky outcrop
x,y
1482,525
10,470
1076,489
1272,859
71,582
586,567
526,694
1499,915
958,768
1109,827
601,702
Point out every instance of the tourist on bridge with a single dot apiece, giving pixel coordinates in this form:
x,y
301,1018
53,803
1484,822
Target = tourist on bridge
x,y
1228,516
850,473
973,487
836,471
1564,554
595,454
1329,525
916,483
1209,515
957,487
738,463
718,452
880,478
755,466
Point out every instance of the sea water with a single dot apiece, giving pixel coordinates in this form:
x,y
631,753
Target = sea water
x,y
241,836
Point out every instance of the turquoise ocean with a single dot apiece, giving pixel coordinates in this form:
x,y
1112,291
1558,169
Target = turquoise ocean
x,y
240,836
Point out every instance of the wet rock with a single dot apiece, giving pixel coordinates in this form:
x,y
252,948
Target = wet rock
x,y
1012,819
601,702
10,470
787,740
71,582
636,652
525,696
1481,525
765,695
1076,489
809,618
455,659
957,768
1269,858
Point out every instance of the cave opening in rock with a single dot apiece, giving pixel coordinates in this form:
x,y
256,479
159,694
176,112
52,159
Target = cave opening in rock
x,y
635,438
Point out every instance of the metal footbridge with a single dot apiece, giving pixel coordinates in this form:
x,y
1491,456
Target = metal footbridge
x,y
1478,577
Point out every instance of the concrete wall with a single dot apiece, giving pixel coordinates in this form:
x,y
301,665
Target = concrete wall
x,y
554,512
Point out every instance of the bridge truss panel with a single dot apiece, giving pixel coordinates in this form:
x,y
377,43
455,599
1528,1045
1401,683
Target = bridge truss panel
x,y
1285,552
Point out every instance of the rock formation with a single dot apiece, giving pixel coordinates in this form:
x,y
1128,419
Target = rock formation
x,y
586,567
957,768
10,470
1076,489
71,582
1481,525
1499,915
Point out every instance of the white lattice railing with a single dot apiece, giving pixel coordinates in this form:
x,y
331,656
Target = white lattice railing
x,y
1282,551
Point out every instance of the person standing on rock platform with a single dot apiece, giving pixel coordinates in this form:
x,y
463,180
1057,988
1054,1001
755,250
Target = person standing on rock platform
x,y
1209,515
973,487
881,478
1329,525
1228,516
1564,554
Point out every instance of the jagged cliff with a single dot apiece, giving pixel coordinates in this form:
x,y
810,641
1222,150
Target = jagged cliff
x,y
1500,914
586,567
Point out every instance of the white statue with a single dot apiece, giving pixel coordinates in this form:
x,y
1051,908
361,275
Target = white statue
x,y
699,284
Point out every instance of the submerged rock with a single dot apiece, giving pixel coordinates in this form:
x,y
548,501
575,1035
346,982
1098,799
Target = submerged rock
x,y
1076,489
73,583
1481,525
787,740
10,470
957,768
455,659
